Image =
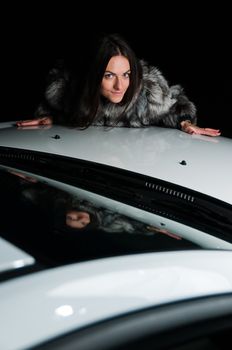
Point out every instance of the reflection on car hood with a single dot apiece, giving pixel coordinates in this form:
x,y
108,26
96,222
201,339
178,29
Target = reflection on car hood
x,y
201,163
77,295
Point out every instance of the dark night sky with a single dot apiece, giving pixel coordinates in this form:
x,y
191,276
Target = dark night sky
x,y
192,51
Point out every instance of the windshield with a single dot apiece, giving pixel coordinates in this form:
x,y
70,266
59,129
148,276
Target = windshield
x,y
58,223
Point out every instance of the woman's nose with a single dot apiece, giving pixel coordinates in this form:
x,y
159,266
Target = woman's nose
x,y
118,83
86,221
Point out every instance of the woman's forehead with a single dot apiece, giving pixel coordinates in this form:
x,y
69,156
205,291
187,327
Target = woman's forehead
x,y
118,64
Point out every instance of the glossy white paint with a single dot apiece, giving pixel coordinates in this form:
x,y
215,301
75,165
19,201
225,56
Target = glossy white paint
x,y
153,151
46,304
12,258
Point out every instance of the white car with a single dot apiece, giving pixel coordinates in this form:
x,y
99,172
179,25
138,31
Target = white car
x,y
114,239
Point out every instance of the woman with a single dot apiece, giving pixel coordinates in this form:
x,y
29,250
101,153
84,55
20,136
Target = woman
x,y
119,90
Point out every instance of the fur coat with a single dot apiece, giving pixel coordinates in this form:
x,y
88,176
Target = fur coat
x,y
155,103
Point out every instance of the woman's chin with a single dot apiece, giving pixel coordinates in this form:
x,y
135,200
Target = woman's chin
x,y
116,99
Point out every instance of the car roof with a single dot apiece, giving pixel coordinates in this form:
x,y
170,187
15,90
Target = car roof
x,y
201,163
77,295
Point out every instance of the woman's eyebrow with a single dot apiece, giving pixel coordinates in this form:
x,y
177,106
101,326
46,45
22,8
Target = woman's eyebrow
x,y
109,71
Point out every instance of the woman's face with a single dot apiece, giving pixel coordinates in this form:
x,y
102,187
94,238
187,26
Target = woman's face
x,y
116,79
77,219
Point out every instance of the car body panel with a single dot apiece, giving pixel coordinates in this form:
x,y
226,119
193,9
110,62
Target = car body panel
x,y
12,258
192,161
46,304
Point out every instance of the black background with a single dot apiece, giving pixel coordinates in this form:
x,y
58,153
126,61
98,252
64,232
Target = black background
x,y
191,47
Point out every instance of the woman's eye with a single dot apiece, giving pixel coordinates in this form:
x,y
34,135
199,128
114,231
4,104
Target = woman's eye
x,y
108,76
126,75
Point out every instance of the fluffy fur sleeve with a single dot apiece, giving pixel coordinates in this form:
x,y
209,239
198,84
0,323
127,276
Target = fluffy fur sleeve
x,y
159,104
52,103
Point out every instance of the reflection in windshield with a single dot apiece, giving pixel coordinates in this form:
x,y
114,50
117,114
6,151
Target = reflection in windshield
x,y
83,214
80,214
62,226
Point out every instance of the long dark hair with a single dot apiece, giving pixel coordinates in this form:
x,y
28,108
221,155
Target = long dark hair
x,y
85,112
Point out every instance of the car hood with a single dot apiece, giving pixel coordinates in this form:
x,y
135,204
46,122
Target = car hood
x,y
12,257
201,163
46,304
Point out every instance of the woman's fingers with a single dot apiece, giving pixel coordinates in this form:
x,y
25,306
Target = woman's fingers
x,y
213,132
34,122
208,132
193,129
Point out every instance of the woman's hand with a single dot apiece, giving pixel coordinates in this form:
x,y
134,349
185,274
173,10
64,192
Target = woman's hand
x,y
163,231
190,128
35,122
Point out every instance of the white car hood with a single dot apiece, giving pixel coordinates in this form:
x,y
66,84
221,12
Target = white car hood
x,y
38,307
11,257
201,163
